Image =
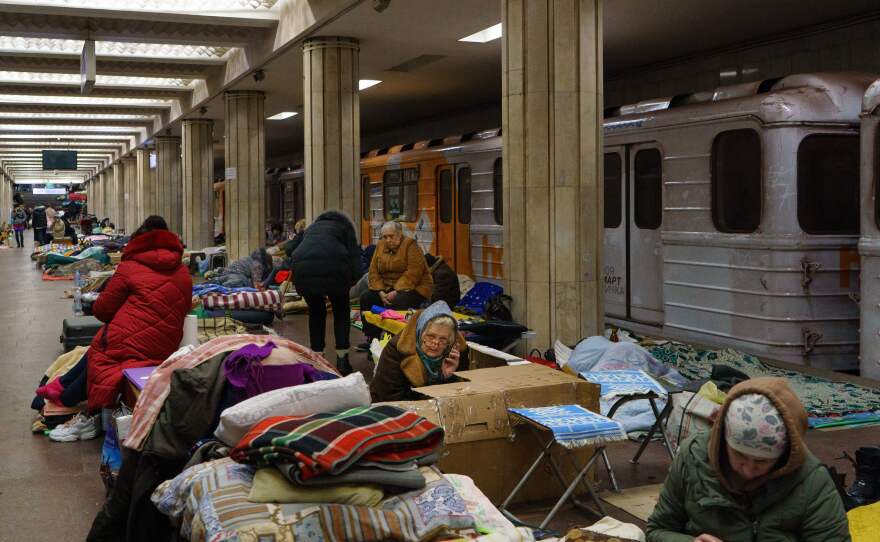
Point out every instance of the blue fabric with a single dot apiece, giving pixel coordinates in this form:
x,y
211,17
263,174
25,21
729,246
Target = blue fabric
x,y
476,298
624,382
208,288
573,426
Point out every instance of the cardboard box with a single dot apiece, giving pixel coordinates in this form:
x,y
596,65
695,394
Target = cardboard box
x,y
480,440
483,357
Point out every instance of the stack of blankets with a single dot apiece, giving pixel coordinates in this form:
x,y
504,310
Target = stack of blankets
x,y
364,474
247,305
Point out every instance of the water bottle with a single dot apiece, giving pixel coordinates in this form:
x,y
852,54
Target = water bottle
x,y
76,280
77,302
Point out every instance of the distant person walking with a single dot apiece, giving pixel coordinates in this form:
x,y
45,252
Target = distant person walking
x,y
19,223
39,222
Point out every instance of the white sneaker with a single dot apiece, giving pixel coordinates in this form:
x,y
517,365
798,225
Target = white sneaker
x,y
80,427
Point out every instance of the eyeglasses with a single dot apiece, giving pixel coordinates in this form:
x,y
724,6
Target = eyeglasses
x,y
435,339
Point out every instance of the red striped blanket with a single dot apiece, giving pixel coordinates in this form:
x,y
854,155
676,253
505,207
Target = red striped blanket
x,y
267,300
332,442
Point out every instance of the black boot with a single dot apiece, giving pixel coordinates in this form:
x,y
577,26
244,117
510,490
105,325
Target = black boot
x,y
866,488
343,366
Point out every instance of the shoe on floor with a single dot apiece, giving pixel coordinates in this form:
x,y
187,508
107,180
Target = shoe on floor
x,y
80,427
363,347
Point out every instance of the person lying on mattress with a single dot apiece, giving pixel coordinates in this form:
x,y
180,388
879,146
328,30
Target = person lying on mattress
x,y
428,351
750,478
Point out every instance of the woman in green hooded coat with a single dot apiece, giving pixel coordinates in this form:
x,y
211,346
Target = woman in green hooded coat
x,y
752,478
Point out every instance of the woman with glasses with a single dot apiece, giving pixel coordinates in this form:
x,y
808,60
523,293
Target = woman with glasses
x,y
428,351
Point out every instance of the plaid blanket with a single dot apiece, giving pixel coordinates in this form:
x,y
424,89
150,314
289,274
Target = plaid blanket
x,y
332,442
267,300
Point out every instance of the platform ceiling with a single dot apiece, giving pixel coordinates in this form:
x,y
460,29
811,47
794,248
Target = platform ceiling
x,y
159,61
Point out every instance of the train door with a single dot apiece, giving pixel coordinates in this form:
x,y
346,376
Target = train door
x,y
454,216
633,265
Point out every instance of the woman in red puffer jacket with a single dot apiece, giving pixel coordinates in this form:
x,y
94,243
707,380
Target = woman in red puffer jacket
x,y
143,306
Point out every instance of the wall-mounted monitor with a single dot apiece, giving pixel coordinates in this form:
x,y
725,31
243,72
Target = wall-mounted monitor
x,y
63,160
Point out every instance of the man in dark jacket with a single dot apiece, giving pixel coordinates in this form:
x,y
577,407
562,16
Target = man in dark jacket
x,y
40,223
326,263
446,286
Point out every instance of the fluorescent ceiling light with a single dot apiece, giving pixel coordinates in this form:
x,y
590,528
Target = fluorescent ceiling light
x,y
101,80
112,48
485,35
283,115
76,116
367,83
83,100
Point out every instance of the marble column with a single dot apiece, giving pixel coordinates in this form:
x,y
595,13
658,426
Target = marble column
x,y
169,187
332,126
552,149
95,206
244,222
145,199
197,166
118,195
129,174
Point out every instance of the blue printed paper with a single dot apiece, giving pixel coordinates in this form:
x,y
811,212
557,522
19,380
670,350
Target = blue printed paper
x,y
624,382
573,426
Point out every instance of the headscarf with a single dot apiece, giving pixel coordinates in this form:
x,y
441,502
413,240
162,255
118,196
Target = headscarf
x,y
433,364
754,427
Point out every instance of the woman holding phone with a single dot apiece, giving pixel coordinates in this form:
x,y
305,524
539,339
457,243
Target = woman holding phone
x,y
428,351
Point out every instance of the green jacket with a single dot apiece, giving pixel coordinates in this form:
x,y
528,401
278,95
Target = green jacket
x,y
802,506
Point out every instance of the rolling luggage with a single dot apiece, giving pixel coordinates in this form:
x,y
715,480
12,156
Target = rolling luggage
x,y
79,331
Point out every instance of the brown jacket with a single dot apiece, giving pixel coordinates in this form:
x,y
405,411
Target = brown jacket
x,y
402,270
400,370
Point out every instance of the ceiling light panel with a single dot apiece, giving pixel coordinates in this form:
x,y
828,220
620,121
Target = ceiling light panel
x,y
112,48
161,5
101,80
74,116
65,127
283,115
83,100
484,36
367,83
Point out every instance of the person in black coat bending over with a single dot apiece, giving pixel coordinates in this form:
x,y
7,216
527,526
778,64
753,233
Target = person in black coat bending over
x,y
326,263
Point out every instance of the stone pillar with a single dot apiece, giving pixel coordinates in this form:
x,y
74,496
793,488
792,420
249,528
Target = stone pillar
x,y
95,204
90,192
129,174
197,218
169,187
146,193
552,148
117,197
244,222
332,126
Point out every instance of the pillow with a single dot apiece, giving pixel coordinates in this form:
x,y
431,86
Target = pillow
x,y
302,400
271,486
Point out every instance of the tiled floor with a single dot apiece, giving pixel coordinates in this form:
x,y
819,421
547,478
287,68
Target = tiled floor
x,y
51,491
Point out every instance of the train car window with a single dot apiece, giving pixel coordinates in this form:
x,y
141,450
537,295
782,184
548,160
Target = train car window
x,y
648,190
613,190
736,181
365,197
445,187
464,195
400,189
828,184
497,191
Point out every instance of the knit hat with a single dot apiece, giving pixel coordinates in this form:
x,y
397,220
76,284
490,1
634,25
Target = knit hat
x,y
753,426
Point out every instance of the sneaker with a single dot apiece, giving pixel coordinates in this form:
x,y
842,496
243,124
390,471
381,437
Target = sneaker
x,y
80,427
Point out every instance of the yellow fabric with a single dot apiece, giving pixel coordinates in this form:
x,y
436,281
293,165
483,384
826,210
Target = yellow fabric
x,y
863,522
396,326
271,486
64,362
711,392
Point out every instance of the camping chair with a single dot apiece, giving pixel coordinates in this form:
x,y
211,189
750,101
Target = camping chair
x,y
568,427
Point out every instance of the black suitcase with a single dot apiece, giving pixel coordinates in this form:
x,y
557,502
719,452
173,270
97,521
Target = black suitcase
x,y
79,331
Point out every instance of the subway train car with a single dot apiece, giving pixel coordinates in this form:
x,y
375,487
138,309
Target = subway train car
x,y
731,216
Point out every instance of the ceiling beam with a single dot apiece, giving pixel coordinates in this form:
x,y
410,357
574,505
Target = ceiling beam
x,y
84,109
134,124
42,63
128,26
101,91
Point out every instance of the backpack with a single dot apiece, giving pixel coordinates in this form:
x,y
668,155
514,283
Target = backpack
x,y
498,308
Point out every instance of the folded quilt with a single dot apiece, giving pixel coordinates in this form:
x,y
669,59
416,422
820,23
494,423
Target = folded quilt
x,y
332,442
408,479
268,300
208,288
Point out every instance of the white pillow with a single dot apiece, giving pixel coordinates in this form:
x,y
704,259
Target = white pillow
x,y
303,400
